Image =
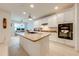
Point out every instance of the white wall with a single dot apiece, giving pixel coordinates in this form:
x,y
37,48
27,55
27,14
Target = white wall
x,y
4,33
77,27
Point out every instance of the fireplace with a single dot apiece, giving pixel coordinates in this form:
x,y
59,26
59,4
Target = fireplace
x,y
65,31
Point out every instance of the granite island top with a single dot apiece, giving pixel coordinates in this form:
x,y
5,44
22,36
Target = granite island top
x,y
34,36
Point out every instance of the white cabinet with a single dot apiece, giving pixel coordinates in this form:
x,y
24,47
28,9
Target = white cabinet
x,y
37,48
45,20
69,16
53,37
60,18
40,21
37,23
52,21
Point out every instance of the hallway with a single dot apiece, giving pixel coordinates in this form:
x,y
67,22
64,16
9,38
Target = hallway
x,y
56,49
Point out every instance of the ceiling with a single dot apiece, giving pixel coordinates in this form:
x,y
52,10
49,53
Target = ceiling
x,y
40,9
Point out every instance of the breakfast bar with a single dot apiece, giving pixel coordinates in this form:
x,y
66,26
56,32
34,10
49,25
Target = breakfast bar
x,y
35,44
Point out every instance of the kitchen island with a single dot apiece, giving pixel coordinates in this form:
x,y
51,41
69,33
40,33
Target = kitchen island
x,y
35,44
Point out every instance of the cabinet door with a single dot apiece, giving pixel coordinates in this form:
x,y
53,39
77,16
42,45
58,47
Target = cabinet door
x,y
37,23
41,21
60,18
45,20
53,37
52,21
69,15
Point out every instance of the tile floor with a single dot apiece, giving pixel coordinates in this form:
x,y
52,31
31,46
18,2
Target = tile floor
x,y
55,49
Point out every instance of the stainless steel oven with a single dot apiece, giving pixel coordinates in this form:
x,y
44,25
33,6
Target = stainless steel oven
x,y
65,31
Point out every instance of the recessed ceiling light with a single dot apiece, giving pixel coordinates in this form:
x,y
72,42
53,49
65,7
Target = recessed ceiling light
x,y
24,13
30,19
32,6
56,7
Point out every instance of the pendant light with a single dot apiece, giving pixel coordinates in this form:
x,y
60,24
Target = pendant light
x,y
29,17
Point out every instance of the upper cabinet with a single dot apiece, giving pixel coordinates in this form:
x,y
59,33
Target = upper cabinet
x,y
52,21
69,15
60,18
44,20
37,23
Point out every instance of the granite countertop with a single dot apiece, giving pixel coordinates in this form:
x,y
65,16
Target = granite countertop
x,y
34,36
